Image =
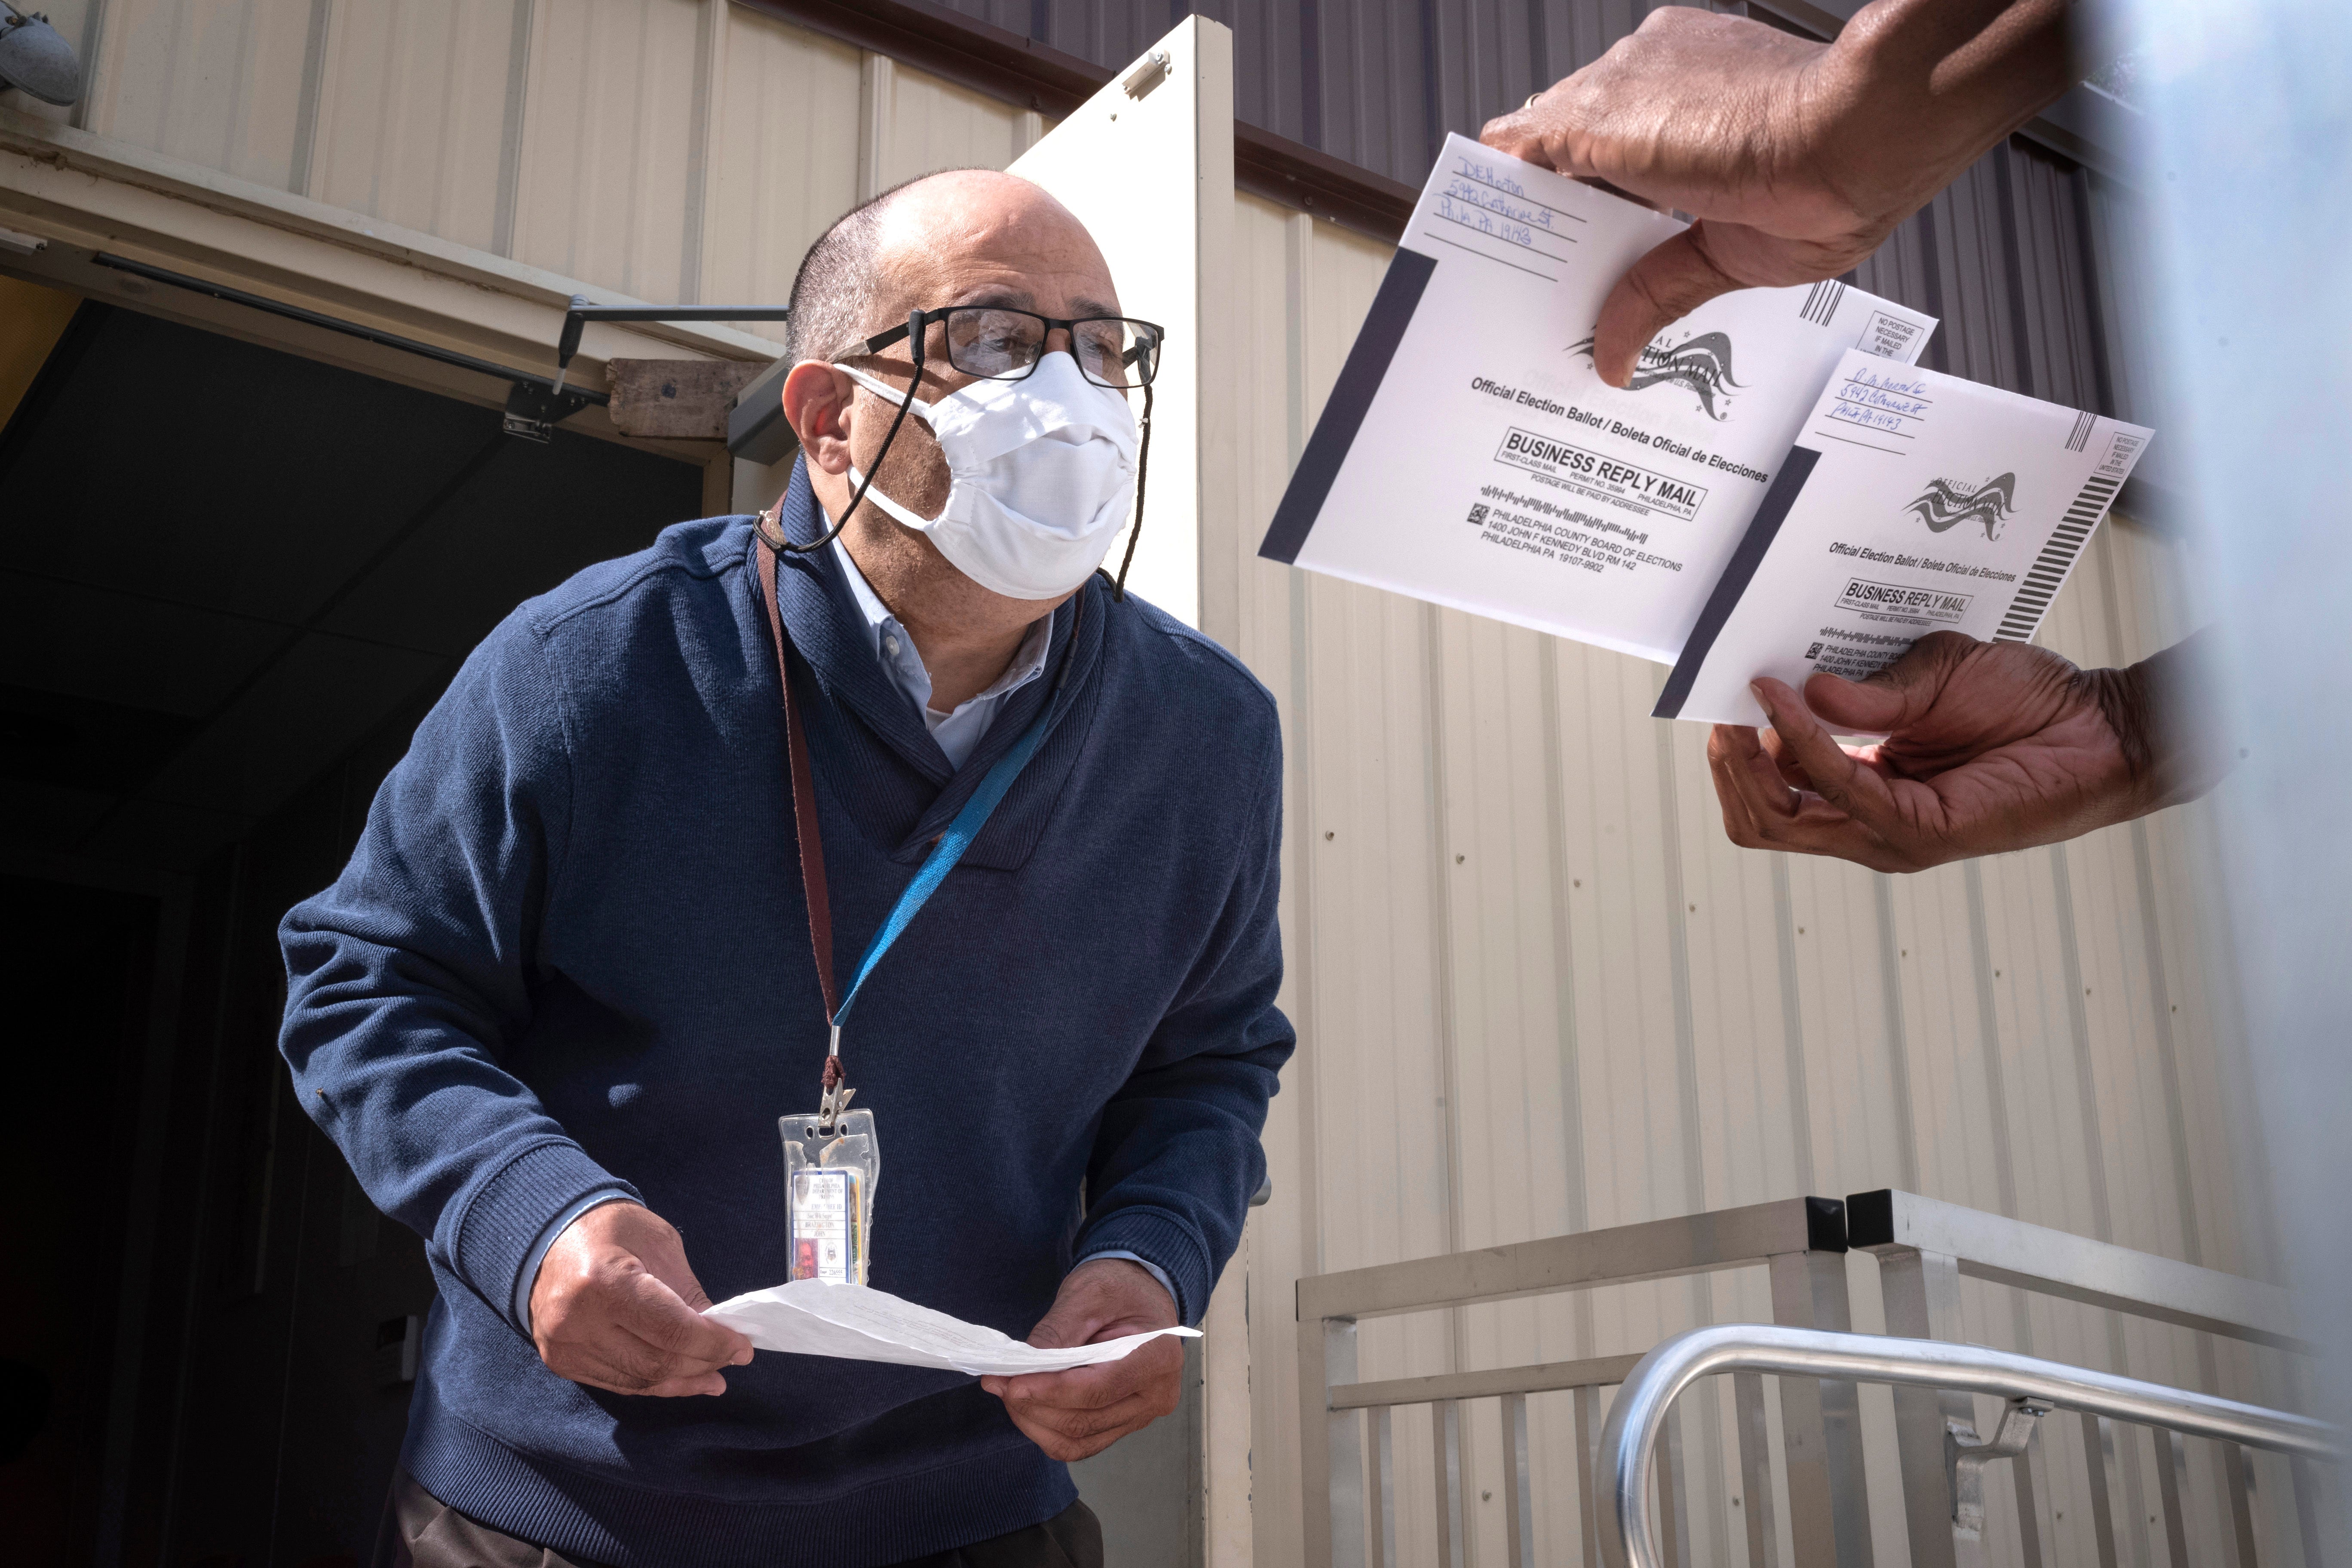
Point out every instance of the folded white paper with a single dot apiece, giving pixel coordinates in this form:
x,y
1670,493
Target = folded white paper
x,y
1912,502
856,1323
1470,455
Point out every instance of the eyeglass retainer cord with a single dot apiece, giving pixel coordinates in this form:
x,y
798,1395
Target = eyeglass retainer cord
x,y
770,522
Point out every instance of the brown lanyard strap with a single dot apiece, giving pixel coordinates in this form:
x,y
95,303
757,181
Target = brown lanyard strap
x,y
820,903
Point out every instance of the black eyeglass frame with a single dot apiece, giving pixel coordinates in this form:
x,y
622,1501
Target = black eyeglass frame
x,y
914,332
918,322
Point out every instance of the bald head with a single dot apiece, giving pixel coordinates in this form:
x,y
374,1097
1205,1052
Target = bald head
x,y
964,237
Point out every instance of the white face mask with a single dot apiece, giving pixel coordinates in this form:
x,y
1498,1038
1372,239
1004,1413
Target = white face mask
x,y
1040,474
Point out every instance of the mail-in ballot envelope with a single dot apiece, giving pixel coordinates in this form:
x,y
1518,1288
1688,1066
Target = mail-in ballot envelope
x,y
1469,454
1912,502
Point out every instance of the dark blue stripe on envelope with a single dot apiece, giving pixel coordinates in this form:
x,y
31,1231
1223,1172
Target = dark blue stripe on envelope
x,y
1351,400
1778,500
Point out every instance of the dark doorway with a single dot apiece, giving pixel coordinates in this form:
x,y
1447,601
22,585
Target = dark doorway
x,y
76,965
231,581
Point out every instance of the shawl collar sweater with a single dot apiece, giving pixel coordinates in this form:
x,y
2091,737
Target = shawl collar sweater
x,y
571,953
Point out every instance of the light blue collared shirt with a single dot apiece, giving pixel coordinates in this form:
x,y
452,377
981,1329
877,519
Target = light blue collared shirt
x,y
959,732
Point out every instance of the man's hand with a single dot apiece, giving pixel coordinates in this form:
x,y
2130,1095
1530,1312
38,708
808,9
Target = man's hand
x,y
1797,158
1077,1414
1991,746
616,1308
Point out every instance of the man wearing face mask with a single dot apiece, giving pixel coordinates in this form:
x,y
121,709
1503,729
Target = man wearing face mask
x,y
994,854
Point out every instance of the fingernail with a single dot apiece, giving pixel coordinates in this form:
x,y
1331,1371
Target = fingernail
x,y
1765,702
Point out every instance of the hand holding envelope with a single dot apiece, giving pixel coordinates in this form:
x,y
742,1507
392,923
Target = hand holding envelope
x,y
1777,489
1471,455
856,1323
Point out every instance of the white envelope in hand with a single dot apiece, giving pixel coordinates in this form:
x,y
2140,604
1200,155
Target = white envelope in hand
x,y
856,1323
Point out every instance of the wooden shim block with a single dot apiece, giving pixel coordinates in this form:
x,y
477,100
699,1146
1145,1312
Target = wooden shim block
x,y
676,399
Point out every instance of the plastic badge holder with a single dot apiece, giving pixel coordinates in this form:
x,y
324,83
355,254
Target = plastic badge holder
x,y
829,1180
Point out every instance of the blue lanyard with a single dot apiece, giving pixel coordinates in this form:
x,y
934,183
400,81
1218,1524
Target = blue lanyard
x,y
950,849
936,866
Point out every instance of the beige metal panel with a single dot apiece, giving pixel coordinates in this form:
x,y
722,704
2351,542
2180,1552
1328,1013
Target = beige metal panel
x,y
1624,899
612,97
1939,959
1747,1109
1512,1162
1499,863
919,124
1270,251
783,159
1859,1111
228,84
414,104
1300,290
1381,1118
803,127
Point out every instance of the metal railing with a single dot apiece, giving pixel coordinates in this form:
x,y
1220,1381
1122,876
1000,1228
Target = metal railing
x,y
1801,1242
1924,1248
2031,1388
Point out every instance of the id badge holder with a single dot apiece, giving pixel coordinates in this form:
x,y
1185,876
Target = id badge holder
x,y
829,1180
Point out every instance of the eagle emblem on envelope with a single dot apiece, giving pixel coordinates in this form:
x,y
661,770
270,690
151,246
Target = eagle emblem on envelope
x,y
1945,504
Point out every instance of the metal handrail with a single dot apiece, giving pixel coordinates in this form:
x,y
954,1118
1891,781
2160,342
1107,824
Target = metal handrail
x,y
1621,1468
1801,1244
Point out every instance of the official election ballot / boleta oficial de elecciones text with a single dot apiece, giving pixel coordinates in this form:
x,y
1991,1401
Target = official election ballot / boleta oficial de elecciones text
x,y
1911,503
1470,455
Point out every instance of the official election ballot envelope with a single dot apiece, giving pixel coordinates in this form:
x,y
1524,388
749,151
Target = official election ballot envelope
x,y
1911,503
1471,457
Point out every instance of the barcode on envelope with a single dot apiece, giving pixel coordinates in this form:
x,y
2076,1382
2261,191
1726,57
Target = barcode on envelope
x,y
2057,558
1822,301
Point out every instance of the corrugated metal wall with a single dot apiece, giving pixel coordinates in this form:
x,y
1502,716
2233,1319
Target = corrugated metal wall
x,y
1537,990
681,150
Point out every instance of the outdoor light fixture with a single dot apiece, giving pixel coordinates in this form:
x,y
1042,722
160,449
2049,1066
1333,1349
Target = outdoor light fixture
x,y
34,60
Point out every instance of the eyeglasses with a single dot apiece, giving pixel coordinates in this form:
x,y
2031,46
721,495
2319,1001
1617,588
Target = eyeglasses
x,y
993,344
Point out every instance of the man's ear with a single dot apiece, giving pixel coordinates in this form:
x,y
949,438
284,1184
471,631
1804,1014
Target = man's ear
x,y
817,405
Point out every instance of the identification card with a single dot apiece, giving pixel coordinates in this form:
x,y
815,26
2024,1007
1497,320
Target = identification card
x,y
829,1182
824,1227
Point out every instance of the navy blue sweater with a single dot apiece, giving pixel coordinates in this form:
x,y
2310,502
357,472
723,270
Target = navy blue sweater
x,y
570,951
